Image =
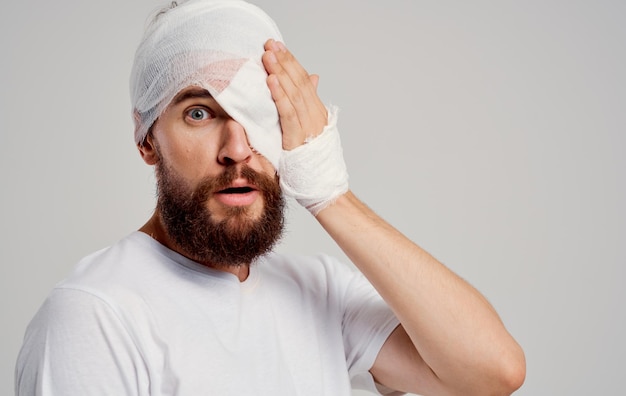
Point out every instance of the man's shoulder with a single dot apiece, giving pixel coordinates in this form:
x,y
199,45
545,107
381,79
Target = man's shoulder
x,y
111,265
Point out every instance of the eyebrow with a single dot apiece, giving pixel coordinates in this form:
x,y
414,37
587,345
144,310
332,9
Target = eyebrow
x,y
191,93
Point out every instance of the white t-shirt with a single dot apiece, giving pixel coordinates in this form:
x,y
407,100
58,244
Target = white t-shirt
x,y
139,319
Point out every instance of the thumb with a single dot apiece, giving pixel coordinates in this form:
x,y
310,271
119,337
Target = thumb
x,y
315,79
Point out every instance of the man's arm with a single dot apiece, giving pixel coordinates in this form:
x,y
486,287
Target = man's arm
x,y
451,341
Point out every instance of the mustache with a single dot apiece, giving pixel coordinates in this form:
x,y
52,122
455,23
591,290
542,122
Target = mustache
x,y
209,185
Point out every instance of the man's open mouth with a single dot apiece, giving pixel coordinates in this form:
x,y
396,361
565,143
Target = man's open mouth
x,y
236,190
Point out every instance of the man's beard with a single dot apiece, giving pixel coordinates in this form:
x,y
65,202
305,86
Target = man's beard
x,y
234,241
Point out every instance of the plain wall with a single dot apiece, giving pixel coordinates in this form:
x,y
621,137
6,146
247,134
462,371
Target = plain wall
x,y
491,133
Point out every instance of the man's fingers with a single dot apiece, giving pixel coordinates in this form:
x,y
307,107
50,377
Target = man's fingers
x,y
293,132
290,122
301,111
293,79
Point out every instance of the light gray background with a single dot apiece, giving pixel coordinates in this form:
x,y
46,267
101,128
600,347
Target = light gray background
x,y
491,133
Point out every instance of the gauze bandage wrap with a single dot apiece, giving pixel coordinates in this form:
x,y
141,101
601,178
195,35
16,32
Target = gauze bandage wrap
x,y
216,45
315,173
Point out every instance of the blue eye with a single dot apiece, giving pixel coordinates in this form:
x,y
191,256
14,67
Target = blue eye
x,y
198,114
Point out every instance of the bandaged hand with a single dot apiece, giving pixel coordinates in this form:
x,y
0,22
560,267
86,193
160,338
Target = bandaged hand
x,y
312,169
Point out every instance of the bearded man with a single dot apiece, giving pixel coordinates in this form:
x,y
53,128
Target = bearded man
x,y
196,303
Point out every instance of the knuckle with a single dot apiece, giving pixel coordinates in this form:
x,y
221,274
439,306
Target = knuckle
x,y
297,98
287,111
302,80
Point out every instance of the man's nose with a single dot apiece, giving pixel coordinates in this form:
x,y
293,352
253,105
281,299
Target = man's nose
x,y
234,146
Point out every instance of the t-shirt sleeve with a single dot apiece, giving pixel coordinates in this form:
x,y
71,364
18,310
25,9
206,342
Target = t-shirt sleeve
x,y
76,345
367,323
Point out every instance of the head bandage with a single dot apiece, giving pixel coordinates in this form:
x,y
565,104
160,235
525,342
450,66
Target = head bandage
x,y
216,45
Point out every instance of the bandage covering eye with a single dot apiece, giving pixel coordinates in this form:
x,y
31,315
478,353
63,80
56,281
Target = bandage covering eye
x,y
216,45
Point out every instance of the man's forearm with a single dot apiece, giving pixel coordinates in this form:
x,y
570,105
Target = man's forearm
x,y
453,327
